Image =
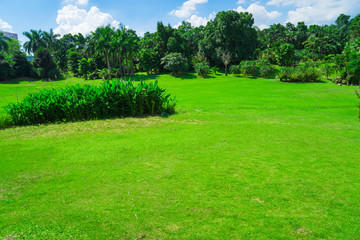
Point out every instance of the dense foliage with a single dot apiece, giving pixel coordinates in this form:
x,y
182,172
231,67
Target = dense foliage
x,y
229,41
114,98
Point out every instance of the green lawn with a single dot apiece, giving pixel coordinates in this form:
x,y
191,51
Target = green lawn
x,y
242,159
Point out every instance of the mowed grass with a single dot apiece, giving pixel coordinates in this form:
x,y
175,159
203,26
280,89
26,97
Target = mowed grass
x,y
242,159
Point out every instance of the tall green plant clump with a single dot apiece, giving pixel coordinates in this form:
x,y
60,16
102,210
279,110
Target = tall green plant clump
x,y
299,74
261,68
115,98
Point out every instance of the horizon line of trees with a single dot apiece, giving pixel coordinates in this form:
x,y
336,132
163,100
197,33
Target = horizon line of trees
x,y
228,39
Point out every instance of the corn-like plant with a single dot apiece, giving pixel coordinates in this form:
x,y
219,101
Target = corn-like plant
x,y
113,98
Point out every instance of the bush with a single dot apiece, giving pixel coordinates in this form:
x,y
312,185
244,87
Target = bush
x,y
6,71
114,98
265,68
202,69
174,62
260,68
93,75
298,74
105,74
248,67
284,74
235,69
215,69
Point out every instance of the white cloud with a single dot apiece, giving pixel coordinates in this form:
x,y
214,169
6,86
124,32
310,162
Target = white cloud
x,y
72,19
187,8
317,11
197,21
241,2
77,2
261,16
5,26
284,2
322,11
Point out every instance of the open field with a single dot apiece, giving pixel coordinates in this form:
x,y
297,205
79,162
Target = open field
x,y
242,159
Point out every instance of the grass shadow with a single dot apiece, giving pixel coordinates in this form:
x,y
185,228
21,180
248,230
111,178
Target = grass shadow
x,y
19,80
186,76
5,122
318,81
143,77
28,79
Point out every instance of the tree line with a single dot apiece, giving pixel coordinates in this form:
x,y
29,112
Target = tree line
x,y
227,40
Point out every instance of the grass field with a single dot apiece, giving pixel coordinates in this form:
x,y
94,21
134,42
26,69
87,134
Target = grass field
x,y
241,159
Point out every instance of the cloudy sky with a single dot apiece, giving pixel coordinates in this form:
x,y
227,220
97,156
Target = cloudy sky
x,y
73,16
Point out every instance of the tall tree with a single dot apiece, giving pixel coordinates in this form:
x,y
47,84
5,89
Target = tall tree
x,y
229,32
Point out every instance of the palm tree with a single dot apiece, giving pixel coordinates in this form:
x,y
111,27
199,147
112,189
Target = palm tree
x,y
133,47
51,40
35,41
119,45
102,38
226,59
311,42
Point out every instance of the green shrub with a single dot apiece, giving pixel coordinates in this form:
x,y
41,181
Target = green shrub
x,y
265,68
93,75
105,74
201,65
174,63
202,69
260,68
298,74
249,67
114,98
235,69
284,74
215,69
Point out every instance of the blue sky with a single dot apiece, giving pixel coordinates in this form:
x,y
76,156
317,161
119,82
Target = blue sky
x,y
74,16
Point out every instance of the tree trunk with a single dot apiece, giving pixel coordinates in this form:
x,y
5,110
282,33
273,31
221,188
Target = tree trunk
x,y
108,61
119,62
127,65
132,67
